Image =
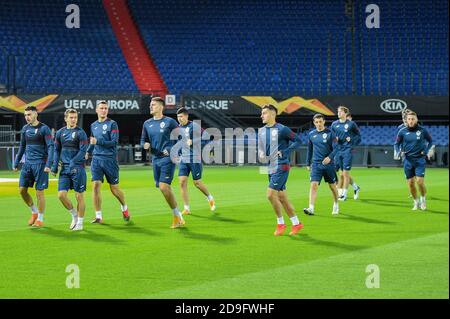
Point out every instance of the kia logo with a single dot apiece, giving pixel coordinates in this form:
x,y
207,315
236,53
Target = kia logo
x,y
393,106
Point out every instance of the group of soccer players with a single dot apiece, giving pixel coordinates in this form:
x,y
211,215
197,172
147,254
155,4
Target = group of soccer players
x,y
70,148
329,150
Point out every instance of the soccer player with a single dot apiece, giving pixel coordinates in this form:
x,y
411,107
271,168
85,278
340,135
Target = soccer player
x,y
71,144
416,144
276,142
320,155
340,183
103,145
36,142
189,164
156,138
347,133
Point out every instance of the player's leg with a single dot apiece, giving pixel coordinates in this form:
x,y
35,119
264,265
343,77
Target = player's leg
x,y
183,180
413,191
97,201
289,209
272,196
79,180
315,176
330,177
423,192
420,180
355,187
64,185
81,208
29,202
41,179
97,181
314,185
183,174
410,175
346,167
166,171
26,180
111,170
197,169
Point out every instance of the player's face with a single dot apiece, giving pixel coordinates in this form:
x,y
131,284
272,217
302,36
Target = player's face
x,y
319,123
341,114
155,107
411,120
71,120
267,116
102,111
182,118
30,116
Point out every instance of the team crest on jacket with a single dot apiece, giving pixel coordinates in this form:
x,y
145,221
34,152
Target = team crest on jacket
x,y
324,135
104,127
74,134
274,133
162,124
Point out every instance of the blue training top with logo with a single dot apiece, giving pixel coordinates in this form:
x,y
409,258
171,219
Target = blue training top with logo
x,y
414,142
71,145
157,133
36,142
321,145
342,130
187,132
278,138
107,135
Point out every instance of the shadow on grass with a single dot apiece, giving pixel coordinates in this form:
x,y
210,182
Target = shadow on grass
x,y
77,235
132,228
308,239
218,217
384,202
207,237
366,219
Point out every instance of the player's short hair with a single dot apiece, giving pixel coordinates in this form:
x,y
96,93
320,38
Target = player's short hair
x,y
344,109
159,99
270,107
405,113
69,111
102,102
318,116
182,110
411,113
349,114
31,108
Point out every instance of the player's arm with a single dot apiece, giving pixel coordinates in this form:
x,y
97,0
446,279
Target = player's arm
x,y
83,146
56,153
397,145
50,147
22,147
334,143
294,139
357,134
114,137
145,141
90,148
309,153
429,147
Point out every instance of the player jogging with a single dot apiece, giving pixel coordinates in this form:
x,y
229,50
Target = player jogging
x,y
36,142
347,133
189,164
156,138
416,144
340,183
275,142
103,146
71,144
319,158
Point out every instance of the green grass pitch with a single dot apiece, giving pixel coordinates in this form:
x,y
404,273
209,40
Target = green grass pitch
x,y
232,253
